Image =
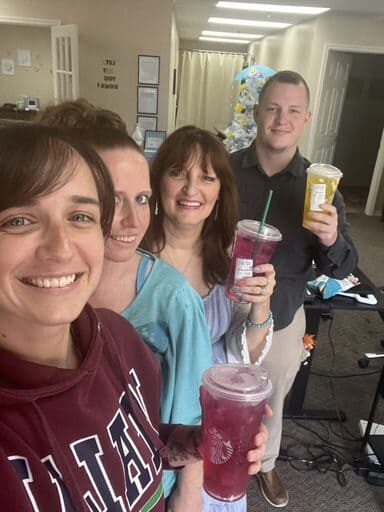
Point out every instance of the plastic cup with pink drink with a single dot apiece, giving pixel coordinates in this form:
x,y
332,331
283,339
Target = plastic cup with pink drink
x,y
233,398
252,247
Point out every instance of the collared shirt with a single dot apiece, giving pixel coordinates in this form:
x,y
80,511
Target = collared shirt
x,y
299,247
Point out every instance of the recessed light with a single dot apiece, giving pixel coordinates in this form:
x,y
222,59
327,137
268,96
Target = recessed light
x,y
287,9
249,23
239,35
225,40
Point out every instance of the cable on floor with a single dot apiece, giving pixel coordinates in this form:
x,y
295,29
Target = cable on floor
x,y
329,456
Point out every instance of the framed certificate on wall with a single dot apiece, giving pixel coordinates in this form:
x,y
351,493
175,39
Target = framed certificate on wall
x,y
147,122
147,100
149,69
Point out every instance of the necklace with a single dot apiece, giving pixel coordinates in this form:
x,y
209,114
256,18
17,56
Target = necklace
x,y
168,258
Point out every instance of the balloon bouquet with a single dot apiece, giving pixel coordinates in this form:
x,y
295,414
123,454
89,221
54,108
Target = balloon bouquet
x,y
241,131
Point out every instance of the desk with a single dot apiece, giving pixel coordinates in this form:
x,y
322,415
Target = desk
x,y
314,310
19,115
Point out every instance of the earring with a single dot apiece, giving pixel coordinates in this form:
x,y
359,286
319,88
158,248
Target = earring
x,y
156,212
216,211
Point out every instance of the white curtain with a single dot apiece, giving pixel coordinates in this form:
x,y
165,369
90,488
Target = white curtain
x,y
207,89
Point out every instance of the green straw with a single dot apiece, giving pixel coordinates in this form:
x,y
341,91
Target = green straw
x,y
265,211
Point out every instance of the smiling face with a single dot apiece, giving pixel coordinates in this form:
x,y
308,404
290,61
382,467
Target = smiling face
x,y
130,175
51,255
189,195
281,117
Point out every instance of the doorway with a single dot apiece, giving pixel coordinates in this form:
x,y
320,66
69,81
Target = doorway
x,y
324,131
56,55
360,129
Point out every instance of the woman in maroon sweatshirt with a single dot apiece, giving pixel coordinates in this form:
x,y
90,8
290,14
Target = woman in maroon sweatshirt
x,y
79,426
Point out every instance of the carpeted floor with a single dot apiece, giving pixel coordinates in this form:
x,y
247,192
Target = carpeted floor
x,y
332,484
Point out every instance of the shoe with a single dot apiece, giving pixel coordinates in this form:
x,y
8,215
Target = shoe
x,y
272,488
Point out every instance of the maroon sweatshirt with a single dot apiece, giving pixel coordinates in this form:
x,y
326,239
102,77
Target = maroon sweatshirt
x,y
83,439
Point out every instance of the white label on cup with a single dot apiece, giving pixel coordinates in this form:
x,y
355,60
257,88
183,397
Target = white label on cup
x,y
317,196
243,268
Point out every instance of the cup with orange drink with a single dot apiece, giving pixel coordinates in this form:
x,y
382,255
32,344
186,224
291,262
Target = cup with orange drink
x,y
322,182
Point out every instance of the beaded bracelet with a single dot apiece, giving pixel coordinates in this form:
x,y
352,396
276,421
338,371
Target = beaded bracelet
x,y
268,321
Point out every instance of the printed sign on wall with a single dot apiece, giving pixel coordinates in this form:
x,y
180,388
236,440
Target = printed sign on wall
x,y
109,80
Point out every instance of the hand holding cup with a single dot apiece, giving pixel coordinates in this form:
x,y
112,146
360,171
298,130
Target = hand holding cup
x,y
233,399
256,454
259,288
252,249
323,224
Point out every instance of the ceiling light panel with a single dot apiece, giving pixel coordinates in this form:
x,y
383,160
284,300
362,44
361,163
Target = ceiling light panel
x,y
286,9
239,35
249,23
225,40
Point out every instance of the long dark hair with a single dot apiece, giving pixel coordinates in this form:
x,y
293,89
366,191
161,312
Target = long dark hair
x,y
218,231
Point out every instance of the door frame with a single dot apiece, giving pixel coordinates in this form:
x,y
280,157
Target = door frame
x,y
378,171
31,22
376,179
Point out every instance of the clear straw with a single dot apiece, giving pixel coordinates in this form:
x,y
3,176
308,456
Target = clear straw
x,y
265,211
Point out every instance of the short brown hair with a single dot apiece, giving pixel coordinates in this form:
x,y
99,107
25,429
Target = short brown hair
x,y
101,128
37,160
284,77
218,232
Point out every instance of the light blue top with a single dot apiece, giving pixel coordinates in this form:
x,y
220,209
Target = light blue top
x,y
170,317
218,312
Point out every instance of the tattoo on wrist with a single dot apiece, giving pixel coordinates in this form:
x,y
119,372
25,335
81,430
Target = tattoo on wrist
x,y
183,446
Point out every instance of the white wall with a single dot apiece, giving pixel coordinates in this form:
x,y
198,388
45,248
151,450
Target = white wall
x,y
119,29
34,81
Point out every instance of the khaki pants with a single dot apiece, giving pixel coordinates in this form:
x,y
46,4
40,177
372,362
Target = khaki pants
x,y
282,363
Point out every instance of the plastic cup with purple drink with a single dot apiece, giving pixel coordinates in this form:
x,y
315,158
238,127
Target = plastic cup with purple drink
x,y
252,247
233,398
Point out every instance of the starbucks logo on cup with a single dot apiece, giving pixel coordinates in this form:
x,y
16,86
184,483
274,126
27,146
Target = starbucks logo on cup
x,y
220,451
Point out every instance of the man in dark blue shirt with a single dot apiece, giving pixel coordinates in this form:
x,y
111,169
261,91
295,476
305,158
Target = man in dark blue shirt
x,y
273,161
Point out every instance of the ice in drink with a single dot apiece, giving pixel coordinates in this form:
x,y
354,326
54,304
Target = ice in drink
x,y
233,398
322,182
250,249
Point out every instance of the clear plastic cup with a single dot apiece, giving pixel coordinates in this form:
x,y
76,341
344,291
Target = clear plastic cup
x,y
233,398
250,249
322,182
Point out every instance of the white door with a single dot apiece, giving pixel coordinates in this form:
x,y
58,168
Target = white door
x,y
65,62
331,106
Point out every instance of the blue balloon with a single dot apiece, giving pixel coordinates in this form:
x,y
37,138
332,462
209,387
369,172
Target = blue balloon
x,y
254,71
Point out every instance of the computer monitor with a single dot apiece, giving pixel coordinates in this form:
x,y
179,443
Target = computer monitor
x,y
31,103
